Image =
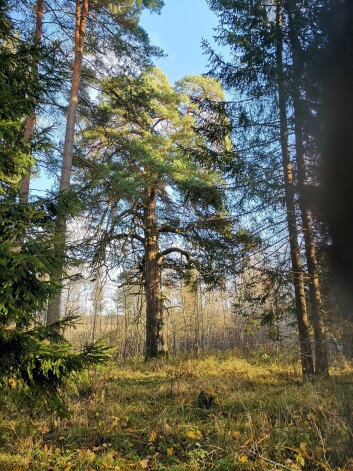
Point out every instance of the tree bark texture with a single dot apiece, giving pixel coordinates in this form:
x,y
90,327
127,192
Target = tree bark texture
x,y
320,342
298,274
81,13
30,119
155,341
81,18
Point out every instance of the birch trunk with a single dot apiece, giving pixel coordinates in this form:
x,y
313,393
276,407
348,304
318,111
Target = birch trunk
x,y
298,274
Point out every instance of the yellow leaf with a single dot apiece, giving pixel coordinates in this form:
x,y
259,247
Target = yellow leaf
x,y
153,437
170,451
115,423
194,434
144,463
11,383
300,460
243,459
91,456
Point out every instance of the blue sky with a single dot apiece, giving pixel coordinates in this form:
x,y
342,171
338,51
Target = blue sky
x,y
178,30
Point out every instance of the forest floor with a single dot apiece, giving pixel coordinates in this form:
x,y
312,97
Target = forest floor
x,y
146,416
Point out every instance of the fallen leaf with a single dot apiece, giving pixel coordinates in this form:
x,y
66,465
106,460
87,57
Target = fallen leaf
x,y
194,434
300,460
144,463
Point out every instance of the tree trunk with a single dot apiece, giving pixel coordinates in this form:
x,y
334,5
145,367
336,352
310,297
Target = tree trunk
x,y
298,274
97,304
155,342
321,356
81,18
30,119
81,13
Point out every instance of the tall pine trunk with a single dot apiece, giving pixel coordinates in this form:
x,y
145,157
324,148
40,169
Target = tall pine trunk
x,y
80,27
321,356
298,274
30,118
155,341
81,13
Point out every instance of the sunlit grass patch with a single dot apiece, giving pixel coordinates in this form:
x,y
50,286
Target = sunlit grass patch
x,y
146,416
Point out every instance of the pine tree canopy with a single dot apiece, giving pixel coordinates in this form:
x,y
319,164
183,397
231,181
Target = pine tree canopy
x,y
148,135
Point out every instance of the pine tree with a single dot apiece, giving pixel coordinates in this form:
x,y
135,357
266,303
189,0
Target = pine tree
x,y
118,27
150,165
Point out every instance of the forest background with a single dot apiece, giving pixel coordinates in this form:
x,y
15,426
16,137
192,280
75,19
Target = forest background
x,y
208,215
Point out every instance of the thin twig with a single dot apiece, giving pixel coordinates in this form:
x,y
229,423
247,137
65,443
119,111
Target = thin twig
x,y
269,461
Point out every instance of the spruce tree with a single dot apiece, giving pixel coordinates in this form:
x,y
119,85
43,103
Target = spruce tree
x,y
36,361
259,75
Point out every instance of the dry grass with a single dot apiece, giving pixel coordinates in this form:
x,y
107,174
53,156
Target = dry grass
x,y
144,416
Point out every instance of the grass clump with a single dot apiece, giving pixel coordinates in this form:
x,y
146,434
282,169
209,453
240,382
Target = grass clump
x,y
146,416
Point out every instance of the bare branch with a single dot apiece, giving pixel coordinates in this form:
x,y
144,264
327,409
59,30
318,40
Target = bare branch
x,y
177,250
131,283
157,122
126,235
